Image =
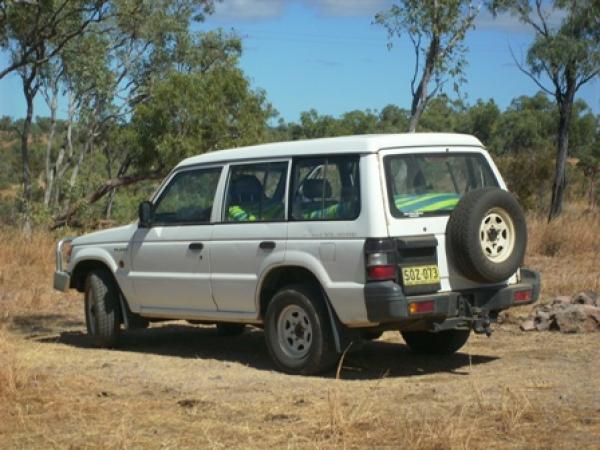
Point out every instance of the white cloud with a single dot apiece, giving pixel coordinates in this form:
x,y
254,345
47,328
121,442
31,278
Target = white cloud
x,y
350,7
510,23
249,9
266,9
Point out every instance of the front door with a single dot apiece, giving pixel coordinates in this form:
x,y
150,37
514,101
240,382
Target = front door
x,y
252,235
170,260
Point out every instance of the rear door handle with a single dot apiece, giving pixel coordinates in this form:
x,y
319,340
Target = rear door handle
x,y
267,245
196,246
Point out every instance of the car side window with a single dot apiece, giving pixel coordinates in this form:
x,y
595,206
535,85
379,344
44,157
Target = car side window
x,y
188,199
256,192
326,188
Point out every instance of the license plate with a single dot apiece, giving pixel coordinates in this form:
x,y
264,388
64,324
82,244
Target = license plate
x,y
414,276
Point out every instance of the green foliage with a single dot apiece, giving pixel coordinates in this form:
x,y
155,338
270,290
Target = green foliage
x,y
192,113
437,31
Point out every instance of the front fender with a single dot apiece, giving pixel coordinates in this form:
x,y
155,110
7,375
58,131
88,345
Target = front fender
x,y
92,254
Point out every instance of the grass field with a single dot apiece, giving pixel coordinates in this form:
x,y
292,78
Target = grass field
x,y
177,385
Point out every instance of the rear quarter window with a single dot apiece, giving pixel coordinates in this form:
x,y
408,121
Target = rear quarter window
x,y
433,184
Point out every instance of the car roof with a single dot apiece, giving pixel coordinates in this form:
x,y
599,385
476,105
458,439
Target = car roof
x,y
370,143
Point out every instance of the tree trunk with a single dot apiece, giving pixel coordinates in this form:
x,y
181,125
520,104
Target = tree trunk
x,y
50,168
419,101
29,90
565,106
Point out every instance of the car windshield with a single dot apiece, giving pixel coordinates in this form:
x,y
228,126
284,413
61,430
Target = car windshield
x,y
433,184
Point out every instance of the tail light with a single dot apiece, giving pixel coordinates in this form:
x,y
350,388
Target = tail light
x,y
422,307
380,260
522,296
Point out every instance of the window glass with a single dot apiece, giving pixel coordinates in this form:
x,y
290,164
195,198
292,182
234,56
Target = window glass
x,y
433,183
256,192
188,198
326,189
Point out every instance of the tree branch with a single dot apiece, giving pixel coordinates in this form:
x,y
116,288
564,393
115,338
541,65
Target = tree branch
x,y
529,74
108,185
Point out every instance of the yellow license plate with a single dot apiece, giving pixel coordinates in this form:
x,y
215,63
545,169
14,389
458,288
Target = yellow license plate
x,y
414,276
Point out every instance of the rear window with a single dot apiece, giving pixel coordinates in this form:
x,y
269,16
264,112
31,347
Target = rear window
x,y
433,184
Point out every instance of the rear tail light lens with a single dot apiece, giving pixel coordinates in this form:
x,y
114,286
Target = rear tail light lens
x,y
381,273
425,307
522,296
380,259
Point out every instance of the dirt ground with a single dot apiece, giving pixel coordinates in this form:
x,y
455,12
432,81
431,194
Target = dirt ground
x,y
177,385
181,386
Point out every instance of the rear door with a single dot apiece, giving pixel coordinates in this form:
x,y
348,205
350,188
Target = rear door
x,y
423,187
252,233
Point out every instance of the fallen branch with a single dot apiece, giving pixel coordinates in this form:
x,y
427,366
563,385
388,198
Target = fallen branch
x,y
66,218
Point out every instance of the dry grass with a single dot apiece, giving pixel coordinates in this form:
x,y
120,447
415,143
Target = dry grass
x,y
566,251
184,387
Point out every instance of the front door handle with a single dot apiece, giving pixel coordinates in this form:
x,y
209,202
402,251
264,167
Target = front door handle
x,y
267,245
196,246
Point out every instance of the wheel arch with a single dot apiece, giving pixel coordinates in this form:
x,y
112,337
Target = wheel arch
x,y
83,268
283,275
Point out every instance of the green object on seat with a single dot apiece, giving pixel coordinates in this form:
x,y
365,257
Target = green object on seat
x,y
237,214
411,203
331,212
252,213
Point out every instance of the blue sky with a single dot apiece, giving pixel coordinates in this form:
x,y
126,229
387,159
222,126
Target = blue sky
x,y
327,55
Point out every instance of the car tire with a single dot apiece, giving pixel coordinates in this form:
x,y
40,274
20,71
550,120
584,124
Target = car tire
x,y
230,329
298,331
441,343
102,313
487,235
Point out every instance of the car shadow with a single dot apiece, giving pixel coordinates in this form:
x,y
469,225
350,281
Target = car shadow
x,y
43,323
370,360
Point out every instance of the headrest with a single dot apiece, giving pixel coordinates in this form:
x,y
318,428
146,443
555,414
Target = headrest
x,y
314,190
245,189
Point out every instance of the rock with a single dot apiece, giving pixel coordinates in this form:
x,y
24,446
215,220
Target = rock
x,y
586,298
592,312
577,318
528,325
561,300
543,320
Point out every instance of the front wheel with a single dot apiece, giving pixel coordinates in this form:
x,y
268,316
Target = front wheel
x,y
102,317
298,332
443,342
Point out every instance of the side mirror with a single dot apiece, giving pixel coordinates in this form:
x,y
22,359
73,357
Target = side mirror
x,y
146,214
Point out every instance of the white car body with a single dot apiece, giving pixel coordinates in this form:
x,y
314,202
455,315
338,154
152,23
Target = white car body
x,y
160,277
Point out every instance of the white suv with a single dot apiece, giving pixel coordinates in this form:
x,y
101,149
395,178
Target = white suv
x,y
320,242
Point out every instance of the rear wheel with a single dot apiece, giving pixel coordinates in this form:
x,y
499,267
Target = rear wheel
x,y
298,332
443,342
102,308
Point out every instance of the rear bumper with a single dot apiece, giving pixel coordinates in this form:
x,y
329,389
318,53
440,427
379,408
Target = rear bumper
x,y
386,303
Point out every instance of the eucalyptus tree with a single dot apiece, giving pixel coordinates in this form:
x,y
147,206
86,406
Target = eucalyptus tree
x,y
561,59
437,31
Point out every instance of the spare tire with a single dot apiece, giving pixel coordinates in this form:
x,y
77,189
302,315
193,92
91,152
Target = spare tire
x,y
486,236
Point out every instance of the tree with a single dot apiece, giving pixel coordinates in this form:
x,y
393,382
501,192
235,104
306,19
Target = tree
x,y
437,30
587,140
560,60
186,114
36,31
